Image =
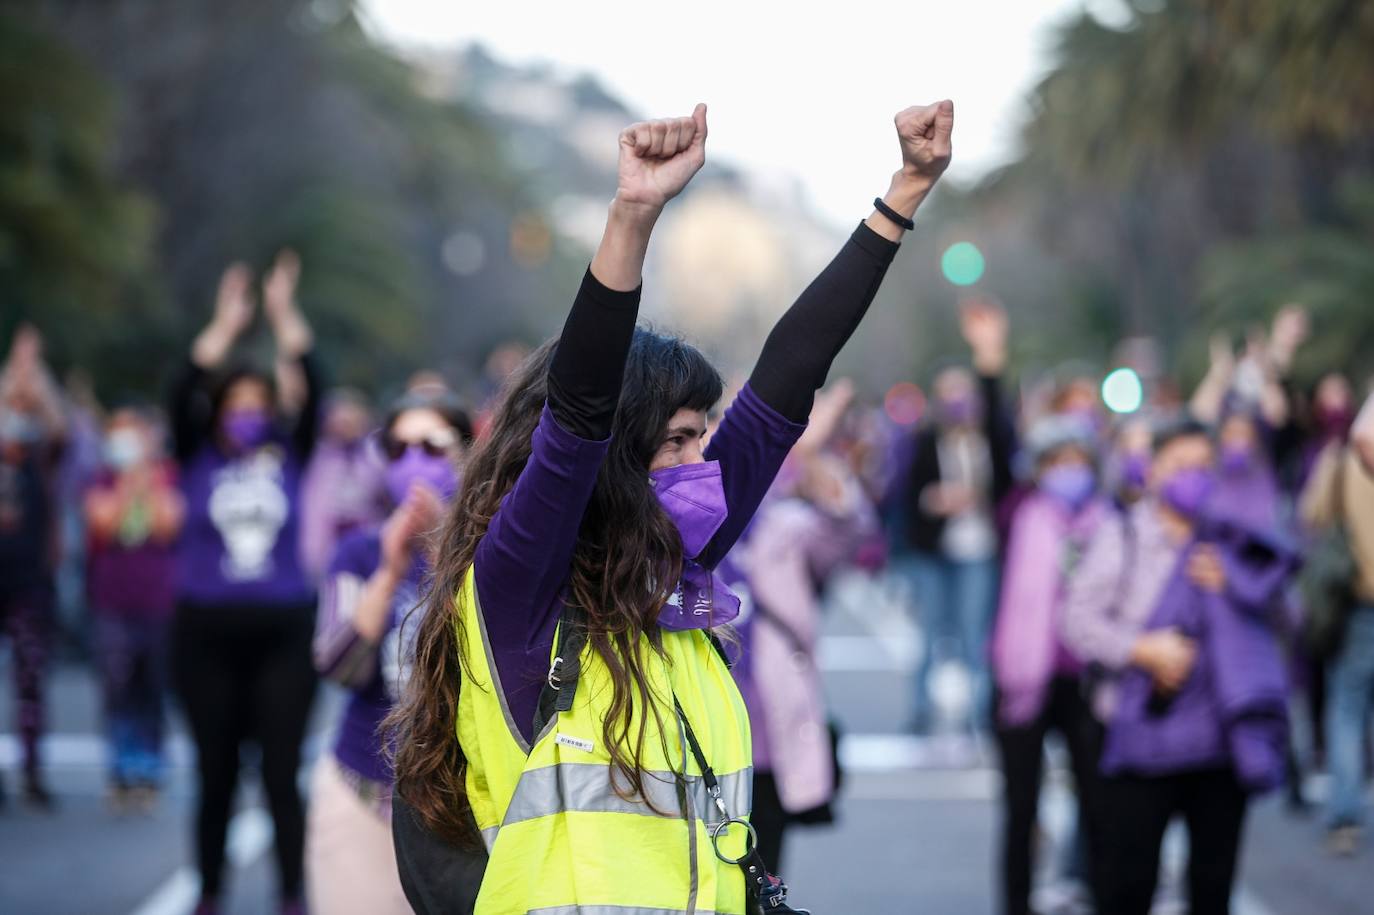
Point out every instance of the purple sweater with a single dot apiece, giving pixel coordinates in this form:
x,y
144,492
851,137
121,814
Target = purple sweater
x,y
522,564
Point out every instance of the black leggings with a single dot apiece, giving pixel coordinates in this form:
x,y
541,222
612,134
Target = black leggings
x,y
1138,811
769,820
245,673
1023,752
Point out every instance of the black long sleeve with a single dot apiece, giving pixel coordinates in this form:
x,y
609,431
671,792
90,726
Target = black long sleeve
x,y
1000,430
190,410
588,368
801,347
306,430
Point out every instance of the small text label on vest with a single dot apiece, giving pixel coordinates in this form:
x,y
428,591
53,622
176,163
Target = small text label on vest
x,y
577,743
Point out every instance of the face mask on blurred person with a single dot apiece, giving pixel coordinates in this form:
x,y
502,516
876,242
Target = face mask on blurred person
x,y
1134,469
123,449
417,465
1237,459
1187,491
1070,484
1334,421
19,428
957,411
247,429
1092,419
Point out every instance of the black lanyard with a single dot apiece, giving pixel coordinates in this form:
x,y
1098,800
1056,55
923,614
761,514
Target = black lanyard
x,y
767,891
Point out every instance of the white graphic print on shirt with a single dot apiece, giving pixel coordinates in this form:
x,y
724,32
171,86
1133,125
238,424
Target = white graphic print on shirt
x,y
248,506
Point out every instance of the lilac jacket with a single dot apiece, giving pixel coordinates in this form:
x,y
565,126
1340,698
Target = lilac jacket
x,y
791,547
1046,542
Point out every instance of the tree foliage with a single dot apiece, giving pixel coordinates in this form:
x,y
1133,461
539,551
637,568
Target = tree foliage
x,y
251,126
1198,167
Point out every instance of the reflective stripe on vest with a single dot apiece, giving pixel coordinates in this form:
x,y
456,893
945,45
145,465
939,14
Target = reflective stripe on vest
x,y
609,910
587,788
561,840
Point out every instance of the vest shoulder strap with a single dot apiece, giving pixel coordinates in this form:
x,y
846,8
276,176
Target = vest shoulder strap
x,y
560,686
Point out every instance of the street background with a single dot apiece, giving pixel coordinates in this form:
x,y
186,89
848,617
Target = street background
x,y
916,833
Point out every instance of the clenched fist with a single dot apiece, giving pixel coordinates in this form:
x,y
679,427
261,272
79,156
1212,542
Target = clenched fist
x,y
658,158
924,132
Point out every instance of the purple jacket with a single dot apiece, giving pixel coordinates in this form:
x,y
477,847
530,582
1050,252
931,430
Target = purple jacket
x,y
1232,709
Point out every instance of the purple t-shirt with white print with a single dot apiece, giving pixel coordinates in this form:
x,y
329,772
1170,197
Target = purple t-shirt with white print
x,y
522,564
239,543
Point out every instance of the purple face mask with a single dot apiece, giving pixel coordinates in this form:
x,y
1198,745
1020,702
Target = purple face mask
x,y
415,466
1071,484
246,429
1236,459
958,411
1187,491
694,497
1135,469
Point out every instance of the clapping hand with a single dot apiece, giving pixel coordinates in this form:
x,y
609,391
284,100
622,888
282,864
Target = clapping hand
x,y
984,326
279,304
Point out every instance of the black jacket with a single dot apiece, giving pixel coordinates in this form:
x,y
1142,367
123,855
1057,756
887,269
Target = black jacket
x,y
923,529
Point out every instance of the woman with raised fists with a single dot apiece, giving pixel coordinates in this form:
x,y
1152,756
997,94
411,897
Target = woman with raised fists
x,y
602,751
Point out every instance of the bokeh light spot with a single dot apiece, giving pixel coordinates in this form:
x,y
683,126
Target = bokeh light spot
x,y
904,403
1122,391
962,263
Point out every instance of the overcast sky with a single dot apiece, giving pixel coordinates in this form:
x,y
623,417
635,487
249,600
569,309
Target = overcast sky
x,y
792,92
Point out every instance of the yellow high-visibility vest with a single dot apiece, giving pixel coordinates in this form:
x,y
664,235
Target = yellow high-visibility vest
x,y
561,840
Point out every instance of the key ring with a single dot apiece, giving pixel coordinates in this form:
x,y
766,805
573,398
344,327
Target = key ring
x,y
749,846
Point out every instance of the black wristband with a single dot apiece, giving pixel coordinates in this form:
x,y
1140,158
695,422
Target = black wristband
x,y
892,214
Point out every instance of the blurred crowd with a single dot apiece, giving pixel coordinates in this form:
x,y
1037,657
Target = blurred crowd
x,y
1184,593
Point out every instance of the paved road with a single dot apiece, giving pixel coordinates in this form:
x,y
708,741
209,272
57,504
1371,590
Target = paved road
x,y
916,832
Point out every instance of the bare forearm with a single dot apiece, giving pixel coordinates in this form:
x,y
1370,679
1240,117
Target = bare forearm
x,y
904,194
374,605
1362,434
619,260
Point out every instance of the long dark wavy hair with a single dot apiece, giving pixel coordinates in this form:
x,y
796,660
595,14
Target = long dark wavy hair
x,y
625,566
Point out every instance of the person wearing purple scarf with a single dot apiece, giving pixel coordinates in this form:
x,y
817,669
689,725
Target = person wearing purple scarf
x,y
1037,677
595,506
375,579
241,634
1174,605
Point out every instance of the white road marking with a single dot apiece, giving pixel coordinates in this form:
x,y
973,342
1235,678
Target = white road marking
x,y
250,834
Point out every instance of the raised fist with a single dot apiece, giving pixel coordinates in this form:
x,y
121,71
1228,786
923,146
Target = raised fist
x,y
983,324
924,132
658,158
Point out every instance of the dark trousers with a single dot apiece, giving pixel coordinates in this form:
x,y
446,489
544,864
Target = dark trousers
x,y
132,657
768,819
26,617
1023,752
246,674
1137,811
